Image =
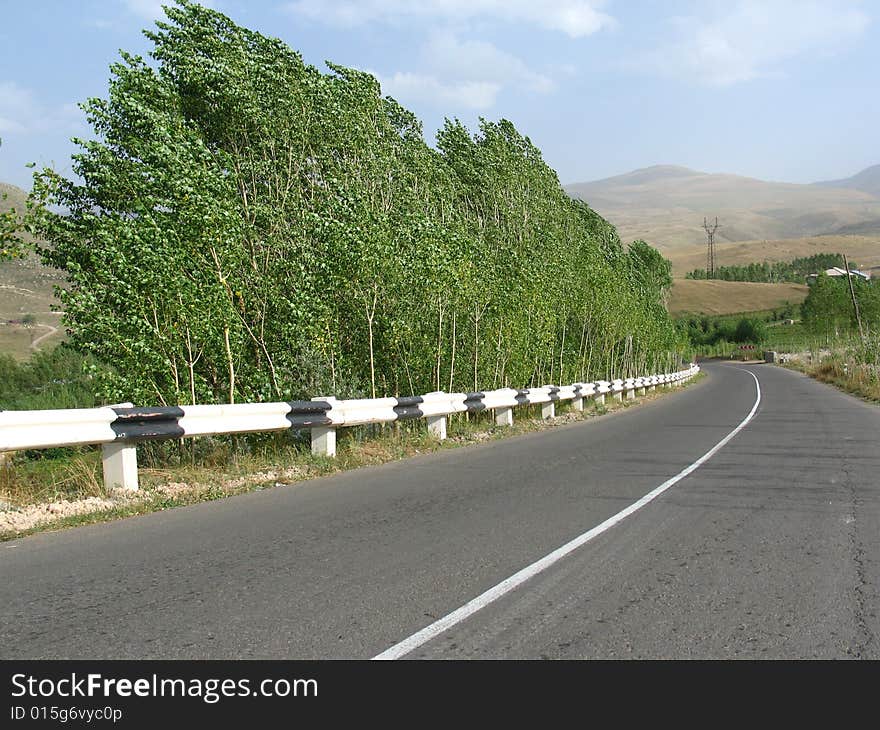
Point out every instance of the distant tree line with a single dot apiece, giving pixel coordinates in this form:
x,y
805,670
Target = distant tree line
x,y
244,227
795,271
714,331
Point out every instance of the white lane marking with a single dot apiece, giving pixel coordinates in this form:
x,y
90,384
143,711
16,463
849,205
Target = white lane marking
x,y
493,594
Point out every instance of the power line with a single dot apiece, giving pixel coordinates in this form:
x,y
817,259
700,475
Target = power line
x,y
710,251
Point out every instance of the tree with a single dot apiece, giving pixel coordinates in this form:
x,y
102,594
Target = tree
x,y
245,227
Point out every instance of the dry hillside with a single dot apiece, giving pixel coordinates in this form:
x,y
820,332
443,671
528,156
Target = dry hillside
x,y
729,297
11,197
665,205
26,291
862,250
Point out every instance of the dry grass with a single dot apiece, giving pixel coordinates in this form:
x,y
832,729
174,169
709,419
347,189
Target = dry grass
x,y
27,287
852,377
730,297
864,250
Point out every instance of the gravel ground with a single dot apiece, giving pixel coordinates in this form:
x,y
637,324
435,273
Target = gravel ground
x,y
14,520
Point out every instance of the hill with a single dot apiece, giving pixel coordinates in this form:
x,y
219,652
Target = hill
x,y
12,197
26,293
666,204
862,250
730,297
868,181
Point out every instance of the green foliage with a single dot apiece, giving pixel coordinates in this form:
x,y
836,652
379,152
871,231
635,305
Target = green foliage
x,y
828,309
650,269
58,378
794,271
717,331
249,228
750,330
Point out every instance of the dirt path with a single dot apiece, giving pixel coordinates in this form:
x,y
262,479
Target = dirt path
x,y
35,345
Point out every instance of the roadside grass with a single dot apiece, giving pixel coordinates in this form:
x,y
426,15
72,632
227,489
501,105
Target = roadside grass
x,y
852,377
44,490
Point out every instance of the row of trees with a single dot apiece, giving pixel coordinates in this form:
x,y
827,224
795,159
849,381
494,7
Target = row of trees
x,y
795,271
828,310
245,227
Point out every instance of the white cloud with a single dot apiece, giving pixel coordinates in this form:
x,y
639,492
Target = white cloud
x,y
750,39
405,86
20,113
575,18
152,9
147,9
481,61
469,74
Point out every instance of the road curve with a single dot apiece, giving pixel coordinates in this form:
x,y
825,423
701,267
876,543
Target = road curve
x,y
769,549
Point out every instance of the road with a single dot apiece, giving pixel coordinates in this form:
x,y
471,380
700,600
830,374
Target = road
x,y
768,549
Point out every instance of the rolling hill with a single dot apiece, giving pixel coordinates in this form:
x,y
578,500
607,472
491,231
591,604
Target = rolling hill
x,y
731,297
14,197
666,204
861,250
26,288
868,181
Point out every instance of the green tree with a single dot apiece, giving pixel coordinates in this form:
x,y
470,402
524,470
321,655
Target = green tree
x,y
243,227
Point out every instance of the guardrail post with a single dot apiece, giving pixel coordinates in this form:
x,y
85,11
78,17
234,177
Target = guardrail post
x,y
642,390
618,395
324,437
548,410
324,440
437,426
119,459
631,394
599,400
578,403
504,416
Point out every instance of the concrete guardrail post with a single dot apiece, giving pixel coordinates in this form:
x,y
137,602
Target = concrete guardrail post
x,y
324,437
504,416
548,410
437,426
119,462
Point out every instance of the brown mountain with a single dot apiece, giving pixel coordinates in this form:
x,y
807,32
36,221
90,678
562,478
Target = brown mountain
x,y
666,204
868,181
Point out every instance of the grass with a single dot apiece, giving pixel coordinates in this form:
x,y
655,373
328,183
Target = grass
x,y
211,469
844,373
701,296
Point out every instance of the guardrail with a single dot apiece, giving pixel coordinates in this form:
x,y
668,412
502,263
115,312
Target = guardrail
x,y
121,427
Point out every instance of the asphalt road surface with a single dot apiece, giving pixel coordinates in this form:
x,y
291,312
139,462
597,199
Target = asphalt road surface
x,y
769,548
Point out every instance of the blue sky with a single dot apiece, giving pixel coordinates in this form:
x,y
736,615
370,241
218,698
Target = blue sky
x,y
775,89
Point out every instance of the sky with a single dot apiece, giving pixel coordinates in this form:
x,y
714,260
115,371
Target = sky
x,y
783,90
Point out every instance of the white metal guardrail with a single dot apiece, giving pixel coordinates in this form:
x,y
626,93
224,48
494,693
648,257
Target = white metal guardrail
x,y
121,427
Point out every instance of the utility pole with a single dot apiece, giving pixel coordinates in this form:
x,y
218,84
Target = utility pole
x,y
710,252
855,302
